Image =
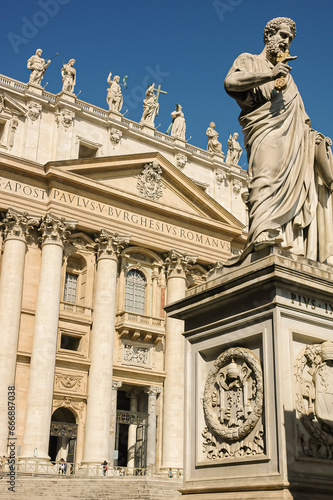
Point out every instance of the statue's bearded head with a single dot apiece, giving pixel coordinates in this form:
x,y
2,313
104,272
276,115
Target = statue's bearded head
x,y
278,35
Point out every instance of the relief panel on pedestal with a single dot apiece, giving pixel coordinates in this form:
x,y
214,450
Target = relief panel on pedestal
x,y
233,406
314,401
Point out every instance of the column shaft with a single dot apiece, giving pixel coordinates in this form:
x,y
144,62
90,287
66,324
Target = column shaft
x,y
97,431
42,366
131,441
116,384
11,287
151,434
173,414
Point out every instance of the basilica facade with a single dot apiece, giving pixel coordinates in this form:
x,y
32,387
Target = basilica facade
x,y
104,222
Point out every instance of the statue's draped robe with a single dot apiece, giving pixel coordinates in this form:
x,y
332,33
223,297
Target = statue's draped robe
x,y
286,196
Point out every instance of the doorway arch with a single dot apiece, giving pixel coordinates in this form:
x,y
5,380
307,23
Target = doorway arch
x,y
63,435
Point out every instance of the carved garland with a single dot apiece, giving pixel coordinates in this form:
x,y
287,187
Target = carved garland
x,y
240,431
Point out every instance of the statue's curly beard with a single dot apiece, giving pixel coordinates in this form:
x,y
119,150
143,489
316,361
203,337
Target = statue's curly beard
x,y
274,48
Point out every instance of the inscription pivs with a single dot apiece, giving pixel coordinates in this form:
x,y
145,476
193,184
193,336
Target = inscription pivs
x,y
310,303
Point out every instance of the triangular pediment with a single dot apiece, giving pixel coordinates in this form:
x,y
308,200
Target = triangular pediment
x,y
10,105
149,179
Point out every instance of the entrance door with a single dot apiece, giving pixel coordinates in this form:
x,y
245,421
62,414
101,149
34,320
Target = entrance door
x,y
140,447
63,434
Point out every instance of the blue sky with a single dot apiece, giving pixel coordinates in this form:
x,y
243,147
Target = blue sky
x,y
186,45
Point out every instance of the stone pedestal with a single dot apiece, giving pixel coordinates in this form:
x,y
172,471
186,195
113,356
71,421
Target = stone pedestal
x,y
259,381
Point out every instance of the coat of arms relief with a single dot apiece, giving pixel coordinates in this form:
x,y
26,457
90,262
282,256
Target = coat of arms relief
x,y
233,405
314,400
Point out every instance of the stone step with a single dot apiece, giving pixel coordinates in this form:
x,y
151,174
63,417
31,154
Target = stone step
x,y
34,488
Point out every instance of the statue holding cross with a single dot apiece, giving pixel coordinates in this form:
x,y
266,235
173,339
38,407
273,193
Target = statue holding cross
x,y
151,104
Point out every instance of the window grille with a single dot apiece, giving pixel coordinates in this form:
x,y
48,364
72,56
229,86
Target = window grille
x,y
135,291
70,287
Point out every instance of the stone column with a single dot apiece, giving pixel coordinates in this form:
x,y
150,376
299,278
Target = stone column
x,y
16,227
151,434
40,392
116,384
97,430
173,405
131,441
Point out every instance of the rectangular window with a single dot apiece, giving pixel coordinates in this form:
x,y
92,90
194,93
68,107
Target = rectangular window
x,y
70,287
70,343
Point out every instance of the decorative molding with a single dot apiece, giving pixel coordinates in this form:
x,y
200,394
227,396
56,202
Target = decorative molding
x,y
149,182
221,176
13,124
236,186
215,450
34,110
111,244
67,402
181,160
73,382
314,399
177,263
136,355
116,384
65,117
18,224
115,135
233,399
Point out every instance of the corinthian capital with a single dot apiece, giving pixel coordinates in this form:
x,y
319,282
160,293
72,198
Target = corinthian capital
x,y
55,229
177,263
111,244
17,225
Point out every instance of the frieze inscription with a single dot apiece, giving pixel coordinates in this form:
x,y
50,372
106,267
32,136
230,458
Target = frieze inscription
x,y
310,303
113,213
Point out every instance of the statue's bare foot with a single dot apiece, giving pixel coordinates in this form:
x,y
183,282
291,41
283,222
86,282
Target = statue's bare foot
x,y
329,260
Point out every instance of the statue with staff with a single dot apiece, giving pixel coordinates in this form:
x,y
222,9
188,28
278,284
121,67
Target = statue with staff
x,y
290,164
38,66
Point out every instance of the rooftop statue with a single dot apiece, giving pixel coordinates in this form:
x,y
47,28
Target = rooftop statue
x,y
114,96
213,145
150,106
178,127
37,66
234,150
68,74
290,164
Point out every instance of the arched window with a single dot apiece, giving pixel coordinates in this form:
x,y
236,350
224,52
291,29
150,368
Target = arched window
x,y
135,291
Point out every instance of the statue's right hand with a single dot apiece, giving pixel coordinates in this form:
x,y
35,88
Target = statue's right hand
x,y
282,68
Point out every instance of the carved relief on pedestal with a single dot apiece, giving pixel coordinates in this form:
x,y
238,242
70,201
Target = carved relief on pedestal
x,y
314,400
221,176
233,404
149,181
